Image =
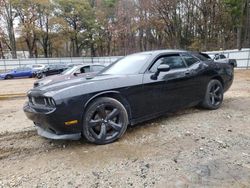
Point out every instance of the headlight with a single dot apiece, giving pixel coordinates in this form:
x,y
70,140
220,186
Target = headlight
x,y
42,101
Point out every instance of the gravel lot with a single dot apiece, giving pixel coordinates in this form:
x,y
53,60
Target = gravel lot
x,y
16,86
190,148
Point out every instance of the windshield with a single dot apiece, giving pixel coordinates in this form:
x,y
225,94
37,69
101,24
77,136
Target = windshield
x,y
131,64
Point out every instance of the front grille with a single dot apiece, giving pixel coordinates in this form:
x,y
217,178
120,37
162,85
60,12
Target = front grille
x,y
42,101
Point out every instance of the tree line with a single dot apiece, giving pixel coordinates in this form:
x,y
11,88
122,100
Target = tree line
x,y
63,28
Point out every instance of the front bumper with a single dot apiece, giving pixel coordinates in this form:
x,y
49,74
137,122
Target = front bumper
x,y
51,135
2,77
51,124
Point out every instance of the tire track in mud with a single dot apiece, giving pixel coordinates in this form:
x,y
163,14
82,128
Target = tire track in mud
x,y
12,144
27,143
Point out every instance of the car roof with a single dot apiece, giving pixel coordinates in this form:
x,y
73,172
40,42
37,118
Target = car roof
x,y
155,52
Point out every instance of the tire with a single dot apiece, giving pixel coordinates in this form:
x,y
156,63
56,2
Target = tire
x,y
105,121
40,75
214,95
8,77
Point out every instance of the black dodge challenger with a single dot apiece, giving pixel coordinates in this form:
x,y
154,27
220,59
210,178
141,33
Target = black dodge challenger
x,y
134,89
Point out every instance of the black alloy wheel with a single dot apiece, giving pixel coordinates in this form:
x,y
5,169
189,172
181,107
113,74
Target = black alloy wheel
x,y
214,95
40,75
105,121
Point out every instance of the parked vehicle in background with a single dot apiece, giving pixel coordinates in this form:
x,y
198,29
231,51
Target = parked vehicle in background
x,y
70,73
51,70
136,88
84,68
221,58
37,67
20,72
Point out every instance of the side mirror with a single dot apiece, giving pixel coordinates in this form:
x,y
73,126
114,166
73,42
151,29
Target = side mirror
x,y
76,73
161,68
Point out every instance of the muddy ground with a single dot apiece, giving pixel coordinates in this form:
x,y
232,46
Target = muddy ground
x,y
190,148
16,86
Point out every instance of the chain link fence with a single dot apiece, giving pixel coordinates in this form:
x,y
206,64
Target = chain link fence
x,y
242,57
8,64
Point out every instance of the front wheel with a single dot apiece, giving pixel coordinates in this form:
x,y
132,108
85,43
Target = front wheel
x,y
214,95
40,75
8,77
105,121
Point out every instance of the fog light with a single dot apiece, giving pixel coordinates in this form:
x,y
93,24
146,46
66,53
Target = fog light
x,y
71,122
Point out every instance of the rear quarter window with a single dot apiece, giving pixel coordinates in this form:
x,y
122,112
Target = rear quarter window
x,y
189,59
202,56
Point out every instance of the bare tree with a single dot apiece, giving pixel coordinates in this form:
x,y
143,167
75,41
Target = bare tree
x,y
8,15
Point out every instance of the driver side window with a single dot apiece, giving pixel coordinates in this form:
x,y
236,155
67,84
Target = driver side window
x,y
189,59
174,62
85,69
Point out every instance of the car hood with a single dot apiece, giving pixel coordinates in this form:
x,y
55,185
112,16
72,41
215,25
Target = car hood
x,y
74,82
86,85
51,80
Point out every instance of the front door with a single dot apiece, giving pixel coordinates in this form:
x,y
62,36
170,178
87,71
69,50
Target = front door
x,y
171,90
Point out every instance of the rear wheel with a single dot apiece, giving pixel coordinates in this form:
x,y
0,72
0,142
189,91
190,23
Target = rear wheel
x,y
105,121
214,95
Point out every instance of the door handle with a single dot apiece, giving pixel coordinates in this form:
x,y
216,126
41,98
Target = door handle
x,y
187,72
